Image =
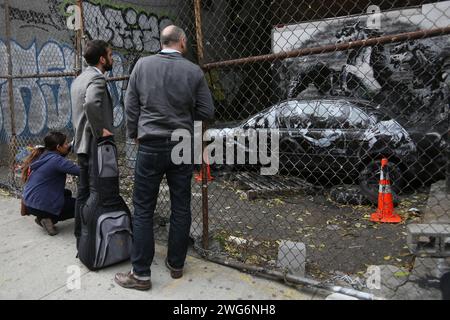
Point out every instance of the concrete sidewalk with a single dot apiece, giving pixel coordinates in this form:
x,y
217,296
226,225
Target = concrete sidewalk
x,y
34,265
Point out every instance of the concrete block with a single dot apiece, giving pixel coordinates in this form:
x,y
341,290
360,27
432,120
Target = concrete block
x,y
431,240
292,257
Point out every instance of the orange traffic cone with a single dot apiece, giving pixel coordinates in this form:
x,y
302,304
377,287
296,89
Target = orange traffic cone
x,y
199,175
385,212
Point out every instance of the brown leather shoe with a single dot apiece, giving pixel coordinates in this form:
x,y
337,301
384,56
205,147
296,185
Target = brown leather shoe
x,y
38,222
23,209
174,273
48,225
127,280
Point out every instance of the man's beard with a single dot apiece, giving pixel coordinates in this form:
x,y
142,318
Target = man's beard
x,y
108,67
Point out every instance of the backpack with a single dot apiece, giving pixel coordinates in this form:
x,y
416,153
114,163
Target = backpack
x,y
105,235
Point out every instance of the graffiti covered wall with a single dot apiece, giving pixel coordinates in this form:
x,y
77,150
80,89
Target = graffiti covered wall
x,y
43,104
42,43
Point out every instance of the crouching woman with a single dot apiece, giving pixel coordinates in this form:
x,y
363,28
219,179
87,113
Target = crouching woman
x,y
44,173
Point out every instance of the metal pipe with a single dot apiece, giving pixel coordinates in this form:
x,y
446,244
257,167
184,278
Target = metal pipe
x,y
448,154
205,208
80,4
199,33
118,78
41,75
333,47
260,271
200,56
57,75
78,38
13,142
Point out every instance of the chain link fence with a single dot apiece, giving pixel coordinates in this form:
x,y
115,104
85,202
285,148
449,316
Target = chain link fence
x,y
309,97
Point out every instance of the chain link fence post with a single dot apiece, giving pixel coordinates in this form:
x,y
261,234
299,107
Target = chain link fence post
x,y
200,55
79,39
13,138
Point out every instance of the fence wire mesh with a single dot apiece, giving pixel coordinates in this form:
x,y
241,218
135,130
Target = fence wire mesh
x,y
299,88
337,113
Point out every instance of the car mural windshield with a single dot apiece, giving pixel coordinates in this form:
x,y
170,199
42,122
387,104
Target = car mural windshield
x,y
264,119
298,114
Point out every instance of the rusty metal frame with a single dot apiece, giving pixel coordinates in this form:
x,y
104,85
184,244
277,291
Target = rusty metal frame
x,y
40,75
121,78
422,34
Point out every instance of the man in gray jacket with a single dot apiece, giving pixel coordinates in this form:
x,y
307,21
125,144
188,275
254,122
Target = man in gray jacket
x,y
166,92
92,113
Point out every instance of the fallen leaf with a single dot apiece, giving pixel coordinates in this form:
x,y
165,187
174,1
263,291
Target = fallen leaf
x,y
401,274
406,254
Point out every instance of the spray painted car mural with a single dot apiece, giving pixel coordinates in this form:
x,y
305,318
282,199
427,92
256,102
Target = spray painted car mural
x,y
340,140
410,78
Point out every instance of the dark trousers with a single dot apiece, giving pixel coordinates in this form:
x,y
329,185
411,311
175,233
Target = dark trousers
x,y
67,212
153,161
83,190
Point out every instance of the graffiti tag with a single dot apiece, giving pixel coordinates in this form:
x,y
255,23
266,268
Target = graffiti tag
x,y
44,103
124,28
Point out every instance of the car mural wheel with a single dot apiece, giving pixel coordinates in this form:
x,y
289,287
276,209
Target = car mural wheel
x,y
369,179
348,195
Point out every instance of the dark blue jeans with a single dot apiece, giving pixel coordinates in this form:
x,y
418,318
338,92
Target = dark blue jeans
x,y
153,161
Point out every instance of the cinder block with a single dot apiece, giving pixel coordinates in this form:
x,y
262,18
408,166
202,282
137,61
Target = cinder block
x,y
445,245
429,239
292,257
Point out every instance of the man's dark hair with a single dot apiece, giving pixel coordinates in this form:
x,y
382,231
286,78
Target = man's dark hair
x,y
94,50
174,36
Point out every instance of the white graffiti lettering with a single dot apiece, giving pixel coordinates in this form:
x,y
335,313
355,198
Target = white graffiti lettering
x,y
42,104
124,28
